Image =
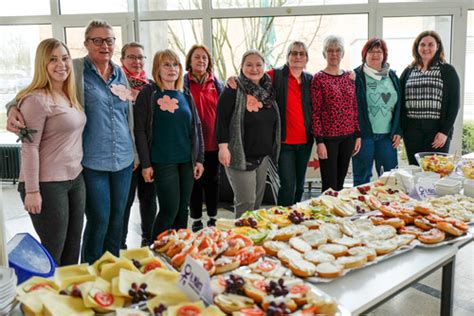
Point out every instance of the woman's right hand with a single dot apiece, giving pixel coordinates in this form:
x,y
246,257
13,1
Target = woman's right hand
x,y
322,151
15,120
231,82
33,202
147,174
224,155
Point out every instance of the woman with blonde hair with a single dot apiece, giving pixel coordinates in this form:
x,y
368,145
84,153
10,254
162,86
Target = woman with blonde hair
x,y
169,140
51,184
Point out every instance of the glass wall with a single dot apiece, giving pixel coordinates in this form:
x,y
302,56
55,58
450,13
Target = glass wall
x,y
277,3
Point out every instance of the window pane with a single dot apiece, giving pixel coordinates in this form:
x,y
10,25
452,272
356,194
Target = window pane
x,y
153,5
271,35
26,7
399,33
75,42
93,6
178,35
17,62
277,3
468,133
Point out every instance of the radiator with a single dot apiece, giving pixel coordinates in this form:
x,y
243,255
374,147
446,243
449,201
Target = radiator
x,y
10,162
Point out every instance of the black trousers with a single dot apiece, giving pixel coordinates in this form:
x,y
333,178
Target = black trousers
x,y
419,140
59,225
147,200
334,168
207,184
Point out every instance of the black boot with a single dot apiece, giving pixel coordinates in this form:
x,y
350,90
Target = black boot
x,y
211,222
197,225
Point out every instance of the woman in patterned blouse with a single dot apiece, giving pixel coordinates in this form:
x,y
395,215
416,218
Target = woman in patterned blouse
x,y
430,98
335,122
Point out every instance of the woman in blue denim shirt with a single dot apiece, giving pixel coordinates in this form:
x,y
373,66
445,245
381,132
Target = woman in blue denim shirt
x,y
378,98
108,145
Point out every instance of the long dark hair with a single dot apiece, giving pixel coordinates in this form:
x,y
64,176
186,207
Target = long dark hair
x,y
438,57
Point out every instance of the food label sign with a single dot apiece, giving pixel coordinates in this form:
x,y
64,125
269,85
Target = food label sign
x,y
425,189
195,281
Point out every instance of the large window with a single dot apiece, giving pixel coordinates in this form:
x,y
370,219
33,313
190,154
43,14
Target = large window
x,y
25,7
93,6
277,3
271,35
178,35
153,5
400,33
17,61
468,126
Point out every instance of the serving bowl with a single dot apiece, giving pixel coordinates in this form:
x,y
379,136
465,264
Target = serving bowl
x,y
441,163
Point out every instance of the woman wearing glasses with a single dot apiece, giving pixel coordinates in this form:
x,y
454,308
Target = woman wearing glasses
x,y
335,123
378,97
107,140
169,140
133,60
293,95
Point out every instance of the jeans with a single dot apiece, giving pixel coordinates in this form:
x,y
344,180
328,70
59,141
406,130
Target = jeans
x,y
173,183
418,140
292,166
147,200
59,225
208,183
106,197
248,187
378,148
334,168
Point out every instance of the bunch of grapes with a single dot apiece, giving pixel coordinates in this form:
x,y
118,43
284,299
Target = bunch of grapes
x,y
234,285
275,309
159,310
296,217
332,193
391,191
139,293
363,189
246,221
276,288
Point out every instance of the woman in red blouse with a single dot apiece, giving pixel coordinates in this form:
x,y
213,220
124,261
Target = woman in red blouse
x,y
335,124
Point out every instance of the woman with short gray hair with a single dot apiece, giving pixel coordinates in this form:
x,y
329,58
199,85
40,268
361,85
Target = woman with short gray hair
x,y
335,121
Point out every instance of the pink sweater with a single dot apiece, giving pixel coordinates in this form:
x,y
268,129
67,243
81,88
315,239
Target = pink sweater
x,y
56,151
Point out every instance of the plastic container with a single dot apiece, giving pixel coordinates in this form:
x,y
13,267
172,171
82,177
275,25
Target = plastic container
x,y
29,258
441,163
469,188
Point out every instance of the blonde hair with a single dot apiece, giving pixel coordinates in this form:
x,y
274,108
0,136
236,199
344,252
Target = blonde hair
x,y
249,53
41,79
96,24
158,59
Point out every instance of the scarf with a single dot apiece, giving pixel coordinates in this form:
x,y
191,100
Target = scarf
x,y
137,81
377,74
202,80
263,92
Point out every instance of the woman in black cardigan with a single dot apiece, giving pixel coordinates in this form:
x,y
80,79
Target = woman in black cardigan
x,y
431,96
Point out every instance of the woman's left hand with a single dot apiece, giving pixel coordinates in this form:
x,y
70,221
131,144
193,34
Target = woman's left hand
x,y
396,141
198,170
357,146
439,140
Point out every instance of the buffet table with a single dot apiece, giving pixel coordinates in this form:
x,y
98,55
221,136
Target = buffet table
x,y
364,290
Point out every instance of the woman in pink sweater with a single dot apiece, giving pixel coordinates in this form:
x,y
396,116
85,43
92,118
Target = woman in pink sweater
x,y
51,184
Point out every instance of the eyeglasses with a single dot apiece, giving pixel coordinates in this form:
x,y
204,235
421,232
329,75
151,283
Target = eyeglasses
x,y
110,41
170,65
135,58
375,52
295,53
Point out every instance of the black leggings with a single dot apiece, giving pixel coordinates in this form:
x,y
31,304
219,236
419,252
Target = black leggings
x,y
334,168
208,183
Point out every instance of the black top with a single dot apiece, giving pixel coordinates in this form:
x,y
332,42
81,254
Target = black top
x,y
259,127
449,106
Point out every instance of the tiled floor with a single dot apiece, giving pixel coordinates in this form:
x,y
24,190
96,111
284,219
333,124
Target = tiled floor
x,y
421,299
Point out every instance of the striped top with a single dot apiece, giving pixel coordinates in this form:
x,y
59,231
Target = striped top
x,y
424,94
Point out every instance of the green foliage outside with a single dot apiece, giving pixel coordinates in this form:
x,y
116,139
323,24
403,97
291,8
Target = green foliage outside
x,y
468,137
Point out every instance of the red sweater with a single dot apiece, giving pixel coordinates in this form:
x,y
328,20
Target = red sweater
x,y
334,106
206,97
295,129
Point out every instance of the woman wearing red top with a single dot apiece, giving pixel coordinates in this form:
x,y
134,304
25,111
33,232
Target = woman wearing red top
x,y
335,122
205,89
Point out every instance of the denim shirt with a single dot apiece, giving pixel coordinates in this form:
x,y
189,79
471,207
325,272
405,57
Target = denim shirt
x,y
107,142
